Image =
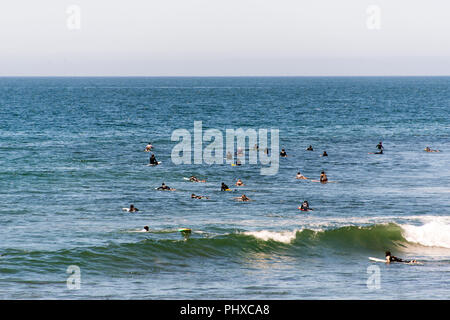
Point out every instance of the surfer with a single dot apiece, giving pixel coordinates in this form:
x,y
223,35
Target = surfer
x,y
243,198
153,160
131,209
146,228
164,187
310,148
239,183
380,146
224,187
195,179
323,177
428,149
283,153
305,206
324,154
149,147
193,196
390,258
300,176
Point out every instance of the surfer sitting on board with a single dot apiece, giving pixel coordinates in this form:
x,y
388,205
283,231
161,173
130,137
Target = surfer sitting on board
x,y
153,160
283,153
239,183
323,177
224,187
305,206
310,148
164,187
390,258
380,146
324,154
148,147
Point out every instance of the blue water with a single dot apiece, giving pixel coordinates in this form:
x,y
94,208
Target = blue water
x,y
72,156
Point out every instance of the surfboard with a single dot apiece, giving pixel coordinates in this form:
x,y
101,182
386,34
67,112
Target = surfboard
x,y
184,230
377,260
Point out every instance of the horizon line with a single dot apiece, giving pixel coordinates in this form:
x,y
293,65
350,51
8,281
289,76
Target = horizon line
x,y
221,76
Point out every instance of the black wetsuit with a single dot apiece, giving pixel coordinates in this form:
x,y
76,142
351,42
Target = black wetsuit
x,y
395,259
283,154
164,187
153,160
224,187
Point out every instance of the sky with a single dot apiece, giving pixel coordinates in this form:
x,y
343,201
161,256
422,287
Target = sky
x,y
224,38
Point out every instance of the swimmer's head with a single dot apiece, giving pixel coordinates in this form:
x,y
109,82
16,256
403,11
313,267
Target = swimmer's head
x,y
388,253
146,228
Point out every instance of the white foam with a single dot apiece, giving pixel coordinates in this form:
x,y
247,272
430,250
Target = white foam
x,y
279,236
431,234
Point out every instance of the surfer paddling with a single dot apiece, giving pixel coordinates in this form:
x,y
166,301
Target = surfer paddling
x,y
390,258
300,176
242,198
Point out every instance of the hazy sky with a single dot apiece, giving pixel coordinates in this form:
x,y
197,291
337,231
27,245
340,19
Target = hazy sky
x,y
224,37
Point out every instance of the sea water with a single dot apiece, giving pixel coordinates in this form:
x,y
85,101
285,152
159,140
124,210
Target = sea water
x,y
72,156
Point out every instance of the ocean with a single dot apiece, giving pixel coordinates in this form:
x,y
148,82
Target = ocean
x,y
72,156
